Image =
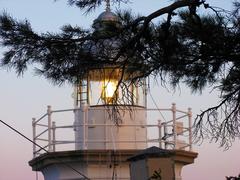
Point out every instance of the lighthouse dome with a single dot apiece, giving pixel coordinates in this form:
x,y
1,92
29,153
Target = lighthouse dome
x,y
107,16
105,19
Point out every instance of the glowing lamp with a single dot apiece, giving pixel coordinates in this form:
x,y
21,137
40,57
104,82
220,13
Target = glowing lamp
x,y
109,91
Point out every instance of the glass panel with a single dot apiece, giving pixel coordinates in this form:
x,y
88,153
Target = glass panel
x,y
95,91
125,94
140,100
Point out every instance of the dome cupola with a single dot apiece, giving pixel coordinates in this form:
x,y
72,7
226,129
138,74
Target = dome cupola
x,y
107,20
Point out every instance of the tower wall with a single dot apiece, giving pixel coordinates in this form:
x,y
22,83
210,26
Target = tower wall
x,y
96,129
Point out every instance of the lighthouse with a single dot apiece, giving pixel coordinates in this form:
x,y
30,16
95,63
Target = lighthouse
x,y
109,129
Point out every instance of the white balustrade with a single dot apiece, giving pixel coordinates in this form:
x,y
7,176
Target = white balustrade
x,y
167,133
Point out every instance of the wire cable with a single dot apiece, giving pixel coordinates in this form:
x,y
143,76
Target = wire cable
x,y
154,102
21,134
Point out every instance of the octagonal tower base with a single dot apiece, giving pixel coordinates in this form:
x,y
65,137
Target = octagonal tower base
x,y
84,164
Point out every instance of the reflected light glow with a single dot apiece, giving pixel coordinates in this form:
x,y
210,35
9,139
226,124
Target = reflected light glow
x,y
108,90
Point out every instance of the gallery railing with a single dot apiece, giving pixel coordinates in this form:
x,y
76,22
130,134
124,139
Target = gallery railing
x,y
166,128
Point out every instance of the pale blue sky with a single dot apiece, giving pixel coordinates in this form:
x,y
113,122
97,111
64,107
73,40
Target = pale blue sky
x,y
26,97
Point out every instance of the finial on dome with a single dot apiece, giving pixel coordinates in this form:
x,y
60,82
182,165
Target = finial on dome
x,y
108,9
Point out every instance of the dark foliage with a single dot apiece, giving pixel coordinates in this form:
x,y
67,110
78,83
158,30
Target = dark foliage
x,y
198,50
233,177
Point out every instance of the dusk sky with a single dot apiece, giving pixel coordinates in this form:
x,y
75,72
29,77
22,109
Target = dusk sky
x,y
22,98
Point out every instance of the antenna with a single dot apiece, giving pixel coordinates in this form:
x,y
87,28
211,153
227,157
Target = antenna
x,y
108,9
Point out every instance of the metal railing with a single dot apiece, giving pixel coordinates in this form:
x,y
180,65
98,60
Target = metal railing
x,y
175,133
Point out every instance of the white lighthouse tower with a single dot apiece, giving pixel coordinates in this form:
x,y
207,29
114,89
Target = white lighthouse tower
x,y
110,126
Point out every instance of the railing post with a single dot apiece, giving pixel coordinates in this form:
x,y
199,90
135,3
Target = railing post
x,y
160,133
190,127
165,134
84,108
54,136
86,124
34,136
174,125
49,113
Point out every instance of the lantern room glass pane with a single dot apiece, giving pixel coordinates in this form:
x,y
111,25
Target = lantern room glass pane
x,y
140,96
95,90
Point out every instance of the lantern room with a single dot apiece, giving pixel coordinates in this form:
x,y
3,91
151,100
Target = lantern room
x,y
110,86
